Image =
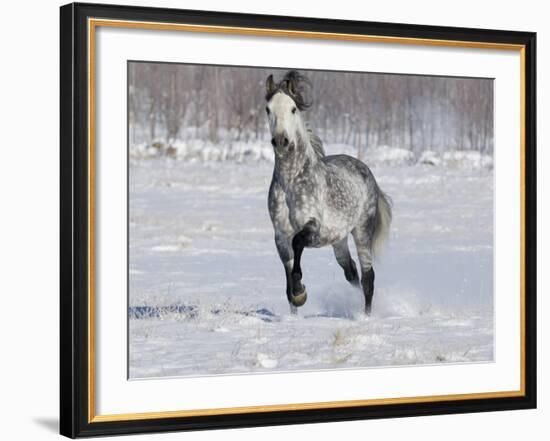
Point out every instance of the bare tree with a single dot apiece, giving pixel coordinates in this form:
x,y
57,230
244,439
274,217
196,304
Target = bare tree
x,y
225,104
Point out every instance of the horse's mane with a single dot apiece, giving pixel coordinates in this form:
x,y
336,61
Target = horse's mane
x,y
316,143
295,85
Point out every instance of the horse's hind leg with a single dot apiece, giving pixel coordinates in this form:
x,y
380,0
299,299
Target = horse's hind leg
x,y
363,237
343,257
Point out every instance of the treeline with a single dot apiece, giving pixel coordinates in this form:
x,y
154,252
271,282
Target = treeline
x,y
171,102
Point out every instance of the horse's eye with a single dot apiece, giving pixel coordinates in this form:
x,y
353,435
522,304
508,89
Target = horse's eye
x,y
267,110
294,110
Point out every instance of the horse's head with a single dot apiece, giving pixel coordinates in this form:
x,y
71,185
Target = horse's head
x,y
285,102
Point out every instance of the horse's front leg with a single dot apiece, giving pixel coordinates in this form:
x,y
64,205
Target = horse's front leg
x,y
308,236
287,258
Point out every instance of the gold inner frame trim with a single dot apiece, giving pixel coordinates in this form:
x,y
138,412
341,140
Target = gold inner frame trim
x,y
298,34
92,25
299,406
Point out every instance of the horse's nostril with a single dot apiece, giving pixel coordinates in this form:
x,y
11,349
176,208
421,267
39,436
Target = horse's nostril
x,y
280,141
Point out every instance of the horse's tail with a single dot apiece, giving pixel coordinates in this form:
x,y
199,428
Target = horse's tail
x,y
382,221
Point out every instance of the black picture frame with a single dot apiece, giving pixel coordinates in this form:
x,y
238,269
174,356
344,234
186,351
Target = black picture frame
x,y
75,414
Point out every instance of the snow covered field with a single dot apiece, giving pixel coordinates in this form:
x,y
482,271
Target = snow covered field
x,y
207,290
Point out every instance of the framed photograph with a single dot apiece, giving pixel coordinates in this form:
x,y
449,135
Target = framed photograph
x,y
276,220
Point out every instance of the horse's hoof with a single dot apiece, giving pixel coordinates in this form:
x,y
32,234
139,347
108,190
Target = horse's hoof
x,y
299,299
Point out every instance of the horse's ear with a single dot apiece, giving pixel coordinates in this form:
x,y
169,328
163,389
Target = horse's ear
x,y
270,85
290,87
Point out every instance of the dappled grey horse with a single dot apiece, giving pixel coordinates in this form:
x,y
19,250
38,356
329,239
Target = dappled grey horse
x,y
317,200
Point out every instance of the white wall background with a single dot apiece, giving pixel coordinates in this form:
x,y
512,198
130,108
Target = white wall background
x,y
29,97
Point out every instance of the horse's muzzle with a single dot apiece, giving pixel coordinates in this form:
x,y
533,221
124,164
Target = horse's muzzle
x,y
280,141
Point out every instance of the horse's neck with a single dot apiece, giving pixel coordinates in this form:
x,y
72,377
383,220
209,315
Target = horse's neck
x,y
304,159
